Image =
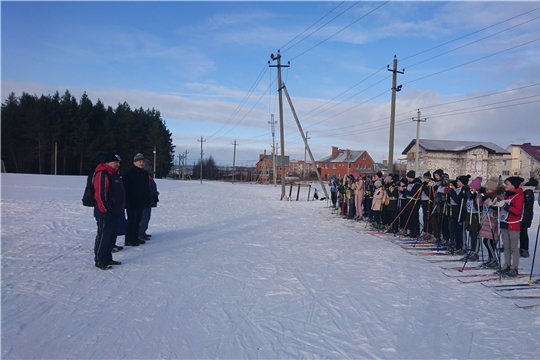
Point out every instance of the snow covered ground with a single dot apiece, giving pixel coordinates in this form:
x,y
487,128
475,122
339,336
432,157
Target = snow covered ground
x,y
232,272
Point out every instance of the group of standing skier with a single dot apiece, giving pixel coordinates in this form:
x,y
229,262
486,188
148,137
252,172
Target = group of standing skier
x,y
458,214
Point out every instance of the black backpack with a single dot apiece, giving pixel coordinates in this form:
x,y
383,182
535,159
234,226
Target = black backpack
x,y
88,196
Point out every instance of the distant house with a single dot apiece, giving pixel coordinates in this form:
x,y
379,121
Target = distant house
x,y
475,158
264,166
523,160
346,162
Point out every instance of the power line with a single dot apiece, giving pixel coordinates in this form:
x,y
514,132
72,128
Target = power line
x,y
346,27
464,36
290,41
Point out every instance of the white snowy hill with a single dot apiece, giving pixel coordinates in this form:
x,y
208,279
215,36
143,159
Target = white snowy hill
x,y
232,272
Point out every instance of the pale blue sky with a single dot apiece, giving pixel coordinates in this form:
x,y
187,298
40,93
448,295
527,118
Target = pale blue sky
x,y
199,62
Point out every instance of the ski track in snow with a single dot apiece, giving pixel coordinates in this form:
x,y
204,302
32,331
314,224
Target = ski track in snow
x,y
232,272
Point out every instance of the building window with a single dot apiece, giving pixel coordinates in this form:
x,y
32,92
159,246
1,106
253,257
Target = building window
x,y
520,164
506,172
333,166
504,162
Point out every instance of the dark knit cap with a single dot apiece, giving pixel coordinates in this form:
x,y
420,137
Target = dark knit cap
x,y
110,157
379,174
532,182
515,180
395,178
404,181
445,176
427,175
464,179
411,174
439,172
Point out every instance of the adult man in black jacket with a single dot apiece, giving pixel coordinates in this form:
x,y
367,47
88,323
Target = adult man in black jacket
x,y
137,198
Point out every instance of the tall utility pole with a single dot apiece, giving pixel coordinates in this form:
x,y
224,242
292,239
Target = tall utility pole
x,y
281,133
272,123
395,89
417,141
184,165
201,141
305,151
234,159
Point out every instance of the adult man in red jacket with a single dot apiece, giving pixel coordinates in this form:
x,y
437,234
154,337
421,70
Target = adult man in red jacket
x,y
109,196
511,214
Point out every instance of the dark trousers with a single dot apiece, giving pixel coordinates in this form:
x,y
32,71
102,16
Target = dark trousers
x,y
458,233
107,230
427,209
490,245
145,219
333,196
524,238
413,218
391,214
134,216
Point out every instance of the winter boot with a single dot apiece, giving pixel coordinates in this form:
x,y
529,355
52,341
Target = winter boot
x,y
504,270
473,256
523,253
512,273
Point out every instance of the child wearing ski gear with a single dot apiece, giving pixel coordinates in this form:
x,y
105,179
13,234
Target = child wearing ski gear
x,y
489,231
392,195
333,190
377,204
528,213
511,214
438,205
472,218
457,197
359,196
368,197
413,195
402,202
426,202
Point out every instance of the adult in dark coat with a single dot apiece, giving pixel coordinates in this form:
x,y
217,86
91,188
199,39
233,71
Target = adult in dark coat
x,y
109,206
137,198
154,199
528,214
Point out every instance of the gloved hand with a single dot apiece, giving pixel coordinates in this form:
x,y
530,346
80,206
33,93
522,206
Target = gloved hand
x,y
431,183
500,203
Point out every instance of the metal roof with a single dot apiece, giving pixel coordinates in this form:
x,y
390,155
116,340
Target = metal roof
x,y
342,156
531,150
454,146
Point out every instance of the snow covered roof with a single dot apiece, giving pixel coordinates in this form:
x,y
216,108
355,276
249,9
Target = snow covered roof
x,y
342,156
454,146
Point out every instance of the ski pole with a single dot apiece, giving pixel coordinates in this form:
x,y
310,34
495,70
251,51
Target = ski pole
x,y
404,208
534,255
499,242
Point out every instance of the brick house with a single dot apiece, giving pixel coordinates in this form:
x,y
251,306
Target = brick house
x,y
343,162
264,166
475,158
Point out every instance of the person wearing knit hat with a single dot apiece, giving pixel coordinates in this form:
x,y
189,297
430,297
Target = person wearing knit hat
x,y
476,184
457,194
492,184
377,204
438,172
511,214
426,202
528,214
111,157
108,207
412,192
427,175
137,190
472,217
464,179
516,181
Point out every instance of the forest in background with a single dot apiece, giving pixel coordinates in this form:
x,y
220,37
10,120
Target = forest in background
x,y
82,131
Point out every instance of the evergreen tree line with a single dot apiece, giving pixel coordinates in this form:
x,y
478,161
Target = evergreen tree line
x,y
82,131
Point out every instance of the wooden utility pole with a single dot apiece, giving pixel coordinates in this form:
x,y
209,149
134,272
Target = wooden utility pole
x,y
201,141
234,159
395,89
281,126
416,166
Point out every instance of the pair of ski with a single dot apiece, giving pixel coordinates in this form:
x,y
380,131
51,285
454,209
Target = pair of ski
x,y
501,290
